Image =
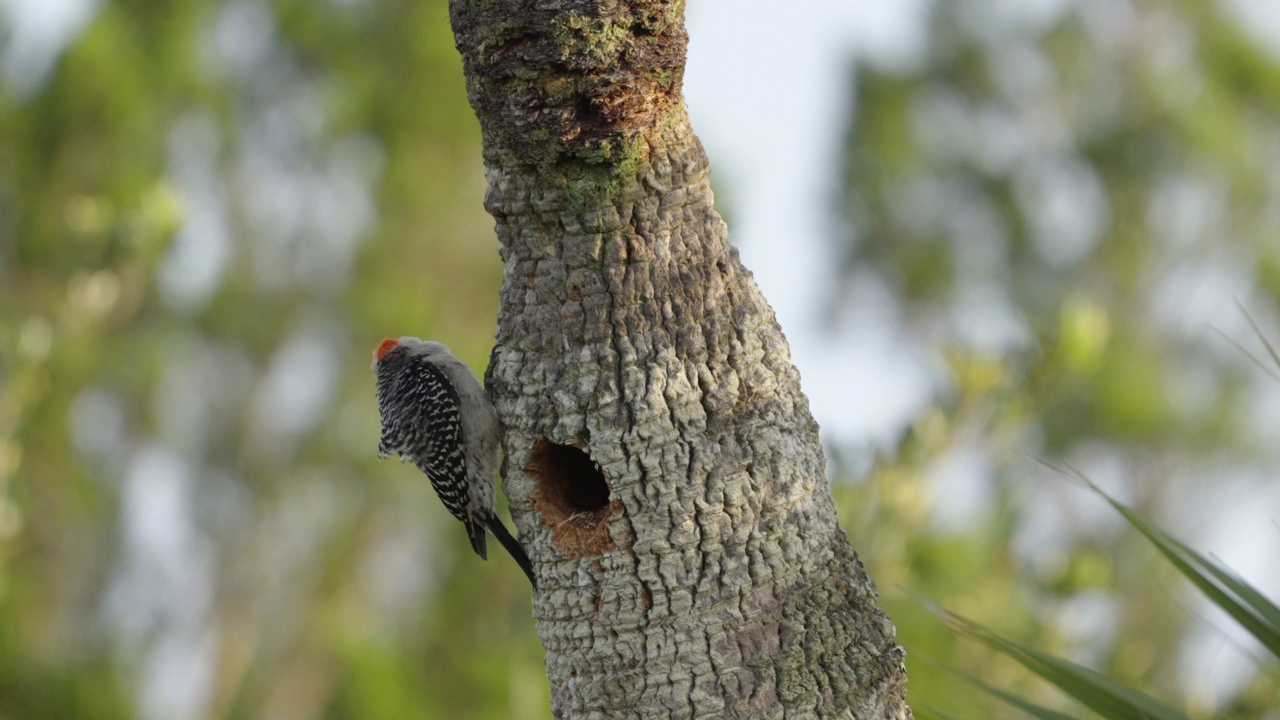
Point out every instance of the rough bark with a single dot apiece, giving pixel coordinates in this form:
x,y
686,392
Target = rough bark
x,y
662,465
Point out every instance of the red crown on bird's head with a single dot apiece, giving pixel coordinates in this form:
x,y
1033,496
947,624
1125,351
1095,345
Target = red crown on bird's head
x,y
385,347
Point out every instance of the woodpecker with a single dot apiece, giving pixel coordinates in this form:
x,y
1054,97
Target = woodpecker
x,y
436,416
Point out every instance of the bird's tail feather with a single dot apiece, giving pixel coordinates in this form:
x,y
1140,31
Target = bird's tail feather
x,y
511,544
475,532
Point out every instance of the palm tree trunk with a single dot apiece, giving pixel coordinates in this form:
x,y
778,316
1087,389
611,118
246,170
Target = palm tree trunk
x,y
663,467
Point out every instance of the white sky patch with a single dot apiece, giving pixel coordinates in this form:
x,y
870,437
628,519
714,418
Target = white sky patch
x,y
1057,512
100,430
1090,620
874,376
996,20
177,680
1067,206
36,34
306,214
202,249
156,509
1259,18
1187,208
399,565
342,211
159,568
1218,656
987,321
780,129
1191,298
240,40
961,488
293,397
159,604
200,393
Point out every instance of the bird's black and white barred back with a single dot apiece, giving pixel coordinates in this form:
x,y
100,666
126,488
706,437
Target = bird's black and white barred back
x,y
422,423
435,415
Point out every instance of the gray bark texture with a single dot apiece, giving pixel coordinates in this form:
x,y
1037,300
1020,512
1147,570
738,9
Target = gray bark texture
x,y
662,465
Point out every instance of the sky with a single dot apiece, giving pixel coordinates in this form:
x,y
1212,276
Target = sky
x,y
774,136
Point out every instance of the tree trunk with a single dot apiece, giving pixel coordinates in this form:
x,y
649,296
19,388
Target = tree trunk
x,y
662,465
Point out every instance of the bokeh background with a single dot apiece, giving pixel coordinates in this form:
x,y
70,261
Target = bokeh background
x,y
997,232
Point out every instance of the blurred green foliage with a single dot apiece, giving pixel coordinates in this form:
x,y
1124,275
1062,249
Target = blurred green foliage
x,y
210,213
1065,200
1250,609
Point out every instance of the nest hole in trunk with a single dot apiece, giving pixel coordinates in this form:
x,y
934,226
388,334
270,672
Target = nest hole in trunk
x,y
572,498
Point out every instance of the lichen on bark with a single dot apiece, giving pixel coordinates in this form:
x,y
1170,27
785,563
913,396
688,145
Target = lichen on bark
x,y
662,464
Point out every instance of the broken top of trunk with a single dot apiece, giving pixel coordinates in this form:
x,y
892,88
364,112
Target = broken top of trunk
x,y
575,82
